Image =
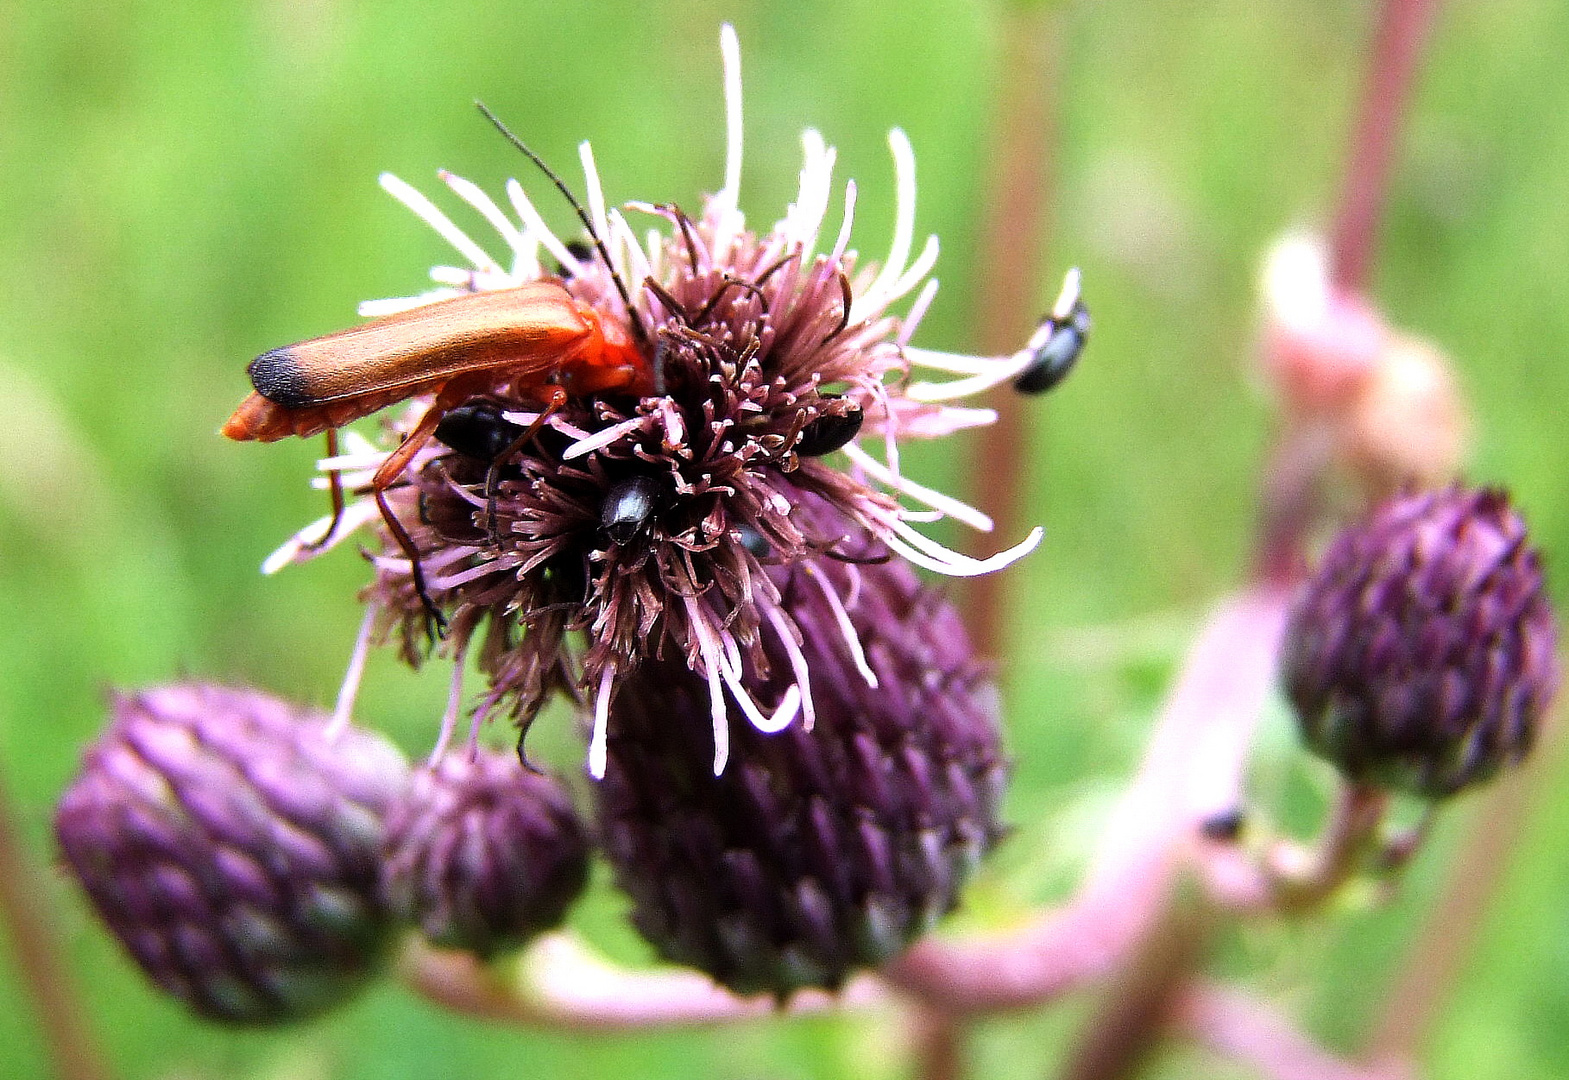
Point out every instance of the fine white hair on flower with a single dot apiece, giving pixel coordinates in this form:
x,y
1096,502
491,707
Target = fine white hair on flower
x,y
781,347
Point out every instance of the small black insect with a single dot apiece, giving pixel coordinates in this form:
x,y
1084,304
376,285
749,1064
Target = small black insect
x,y
828,432
478,430
1225,826
1056,345
581,250
627,507
753,541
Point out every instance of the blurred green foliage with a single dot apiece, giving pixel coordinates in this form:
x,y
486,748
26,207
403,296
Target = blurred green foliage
x,y
187,183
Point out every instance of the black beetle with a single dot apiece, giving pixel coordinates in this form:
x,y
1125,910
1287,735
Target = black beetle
x,y
829,432
478,430
1056,346
753,541
627,507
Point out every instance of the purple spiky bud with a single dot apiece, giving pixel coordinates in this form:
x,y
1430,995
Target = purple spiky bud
x,y
231,843
483,854
819,849
1423,652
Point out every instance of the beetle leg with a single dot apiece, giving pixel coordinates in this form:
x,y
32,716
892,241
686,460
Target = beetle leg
x,y
558,398
437,621
658,364
335,485
446,398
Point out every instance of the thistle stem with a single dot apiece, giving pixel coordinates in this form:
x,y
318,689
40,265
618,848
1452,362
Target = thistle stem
x,y
1125,1032
1403,30
1150,993
1192,769
940,1040
1343,849
1013,234
1435,961
1242,1029
1292,500
560,984
1290,879
37,948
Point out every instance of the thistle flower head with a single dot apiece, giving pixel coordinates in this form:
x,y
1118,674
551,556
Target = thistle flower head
x,y
828,846
648,524
483,854
1423,652
232,844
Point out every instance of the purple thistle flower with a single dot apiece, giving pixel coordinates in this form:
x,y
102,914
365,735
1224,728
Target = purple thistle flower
x,y
482,854
827,846
231,844
1423,652
647,525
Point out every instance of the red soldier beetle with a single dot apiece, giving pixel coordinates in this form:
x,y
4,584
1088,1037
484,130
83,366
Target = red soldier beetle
x,y
535,341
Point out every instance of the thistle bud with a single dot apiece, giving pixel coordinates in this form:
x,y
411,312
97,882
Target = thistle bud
x,y
1423,652
483,854
832,844
231,844
1407,425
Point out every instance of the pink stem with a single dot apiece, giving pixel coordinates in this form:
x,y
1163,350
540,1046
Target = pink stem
x,y
1192,770
1403,30
1286,882
1352,832
1244,1030
562,986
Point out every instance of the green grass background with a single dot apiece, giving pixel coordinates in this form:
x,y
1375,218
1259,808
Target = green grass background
x,y
184,184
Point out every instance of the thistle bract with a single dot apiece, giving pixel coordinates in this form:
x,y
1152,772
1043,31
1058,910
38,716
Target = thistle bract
x,y
483,854
1422,653
832,844
231,843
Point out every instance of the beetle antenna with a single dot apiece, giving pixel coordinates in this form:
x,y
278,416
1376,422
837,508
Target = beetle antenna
x,y
637,322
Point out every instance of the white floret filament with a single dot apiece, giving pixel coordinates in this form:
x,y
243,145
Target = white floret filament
x,y
427,212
